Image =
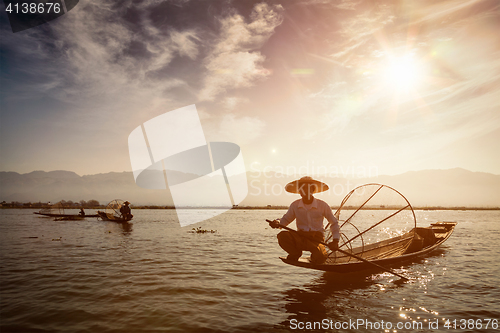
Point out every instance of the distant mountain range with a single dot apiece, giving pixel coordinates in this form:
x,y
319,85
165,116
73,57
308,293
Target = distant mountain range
x,y
446,188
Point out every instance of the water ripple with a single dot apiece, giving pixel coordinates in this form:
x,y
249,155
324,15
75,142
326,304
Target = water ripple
x,y
94,276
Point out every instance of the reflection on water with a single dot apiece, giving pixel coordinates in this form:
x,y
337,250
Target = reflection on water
x,y
126,227
314,301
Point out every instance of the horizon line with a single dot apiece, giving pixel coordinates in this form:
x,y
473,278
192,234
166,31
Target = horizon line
x,y
270,171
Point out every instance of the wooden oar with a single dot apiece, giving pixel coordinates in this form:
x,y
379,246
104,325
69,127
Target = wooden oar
x,y
344,252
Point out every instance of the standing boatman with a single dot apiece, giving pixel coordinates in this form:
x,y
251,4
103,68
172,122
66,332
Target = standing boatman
x,y
126,211
309,213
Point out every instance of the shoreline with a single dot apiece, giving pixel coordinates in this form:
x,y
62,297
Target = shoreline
x,y
270,207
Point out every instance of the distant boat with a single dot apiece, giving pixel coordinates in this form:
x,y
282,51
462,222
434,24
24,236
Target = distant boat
x,y
113,213
106,217
72,218
68,216
57,210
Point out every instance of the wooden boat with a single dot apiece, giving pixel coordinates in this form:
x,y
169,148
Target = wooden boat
x,y
68,216
390,252
113,218
378,229
58,210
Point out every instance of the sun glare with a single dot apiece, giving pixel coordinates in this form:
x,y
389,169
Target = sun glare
x,y
403,73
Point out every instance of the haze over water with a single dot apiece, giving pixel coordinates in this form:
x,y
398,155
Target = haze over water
x,y
95,276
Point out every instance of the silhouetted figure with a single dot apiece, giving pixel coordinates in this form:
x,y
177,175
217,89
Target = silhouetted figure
x,y
126,211
82,212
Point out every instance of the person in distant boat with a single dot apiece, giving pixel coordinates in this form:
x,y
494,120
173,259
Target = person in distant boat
x,y
82,212
309,213
126,211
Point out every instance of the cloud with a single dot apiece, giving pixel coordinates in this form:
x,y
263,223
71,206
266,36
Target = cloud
x,y
186,43
233,62
107,57
454,75
240,130
230,103
129,60
232,70
358,31
443,9
123,66
107,66
339,109
236,35
232,128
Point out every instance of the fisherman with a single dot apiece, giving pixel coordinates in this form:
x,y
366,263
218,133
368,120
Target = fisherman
x,y
309,213
82,212
126,211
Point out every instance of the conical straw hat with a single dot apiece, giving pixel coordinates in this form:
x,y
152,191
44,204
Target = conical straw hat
x,y
315,185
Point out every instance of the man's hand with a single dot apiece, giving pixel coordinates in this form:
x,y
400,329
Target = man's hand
x,y
334,245
275,224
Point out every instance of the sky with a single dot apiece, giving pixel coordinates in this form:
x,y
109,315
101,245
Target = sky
x,y
302,86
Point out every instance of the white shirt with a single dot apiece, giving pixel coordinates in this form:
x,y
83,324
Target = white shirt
x,y
310,217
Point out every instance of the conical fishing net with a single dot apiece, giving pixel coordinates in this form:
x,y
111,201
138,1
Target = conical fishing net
x,y
57,208
113,209
369,214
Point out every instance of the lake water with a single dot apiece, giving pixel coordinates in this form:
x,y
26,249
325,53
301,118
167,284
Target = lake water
x,y
154,276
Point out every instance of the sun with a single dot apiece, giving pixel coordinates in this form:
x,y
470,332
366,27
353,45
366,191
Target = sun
x,y
402,73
